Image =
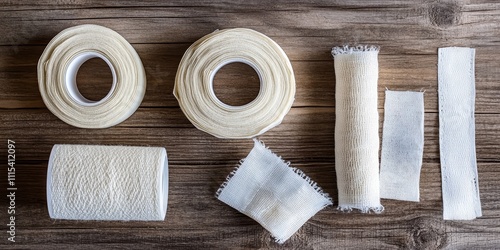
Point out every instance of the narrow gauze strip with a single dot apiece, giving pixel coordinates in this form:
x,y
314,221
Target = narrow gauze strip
x,y
402,145
356,128
457,144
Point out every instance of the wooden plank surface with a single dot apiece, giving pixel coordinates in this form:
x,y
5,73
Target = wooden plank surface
x,y
408,32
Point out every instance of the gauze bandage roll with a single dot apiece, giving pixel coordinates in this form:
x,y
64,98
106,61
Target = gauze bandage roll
x,y
86,182
356,128
58,67
194,83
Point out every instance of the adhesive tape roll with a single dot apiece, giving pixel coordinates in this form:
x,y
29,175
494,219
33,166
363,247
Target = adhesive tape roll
x,y
87,182
60,62
194,83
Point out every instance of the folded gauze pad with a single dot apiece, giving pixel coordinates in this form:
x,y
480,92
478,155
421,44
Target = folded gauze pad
x,y
356,128
278,197
86,182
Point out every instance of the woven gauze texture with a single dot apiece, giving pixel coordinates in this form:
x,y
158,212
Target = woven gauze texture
x,y
86,182
278,197
402,145
457,144
356,128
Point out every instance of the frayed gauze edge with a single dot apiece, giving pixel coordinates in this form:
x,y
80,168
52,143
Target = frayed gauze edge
x,y
322,199
296,170
346,49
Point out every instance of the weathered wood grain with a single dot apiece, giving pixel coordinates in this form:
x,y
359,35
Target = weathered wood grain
x,y
408,32
315,79
309,130
404,224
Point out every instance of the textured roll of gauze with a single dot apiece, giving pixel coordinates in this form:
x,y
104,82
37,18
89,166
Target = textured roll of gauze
x,y
58,67
356,128
194,83
86,182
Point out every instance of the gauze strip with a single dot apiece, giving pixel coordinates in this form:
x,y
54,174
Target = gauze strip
x,y
457,143
278,197
402,145
356,128
86,182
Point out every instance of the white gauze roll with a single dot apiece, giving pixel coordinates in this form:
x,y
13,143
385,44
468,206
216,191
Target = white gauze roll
x,y
87,182
59,65
356,128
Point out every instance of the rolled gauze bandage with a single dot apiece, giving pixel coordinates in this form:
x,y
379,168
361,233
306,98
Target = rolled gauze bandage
x,y
194,83
356,128
59,65
86,182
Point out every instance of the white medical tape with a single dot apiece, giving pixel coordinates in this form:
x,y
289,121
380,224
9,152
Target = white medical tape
x,y
59,65
194,83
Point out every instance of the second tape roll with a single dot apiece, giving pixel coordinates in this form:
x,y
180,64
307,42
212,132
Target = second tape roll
x,y
194,83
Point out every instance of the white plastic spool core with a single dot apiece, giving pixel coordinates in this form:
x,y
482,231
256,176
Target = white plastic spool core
x,y
70,76
234,60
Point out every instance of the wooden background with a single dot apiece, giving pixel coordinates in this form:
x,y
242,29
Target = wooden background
x,y
409,33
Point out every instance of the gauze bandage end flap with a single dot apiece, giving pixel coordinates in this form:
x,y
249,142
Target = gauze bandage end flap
x,y
457,144
356,128
402,145
278,197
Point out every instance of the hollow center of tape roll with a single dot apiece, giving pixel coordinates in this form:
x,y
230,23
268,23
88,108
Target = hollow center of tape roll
x,y
71,73
242,101
94,79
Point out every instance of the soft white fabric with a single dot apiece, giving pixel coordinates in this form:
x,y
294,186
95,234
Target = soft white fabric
x,y
457,144
201,61
86,182
60,62
402,145
278,197
356,128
